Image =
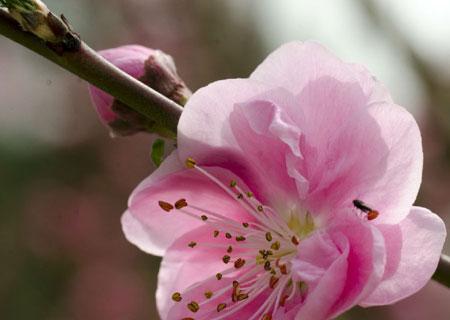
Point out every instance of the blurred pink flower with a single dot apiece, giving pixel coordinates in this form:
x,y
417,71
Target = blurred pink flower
x,y
154,68
258,213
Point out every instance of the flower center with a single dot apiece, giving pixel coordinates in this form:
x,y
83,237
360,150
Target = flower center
x,y
259,252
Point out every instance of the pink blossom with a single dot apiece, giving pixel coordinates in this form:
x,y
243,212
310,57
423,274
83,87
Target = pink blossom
x,y
131,59
290,196
152,67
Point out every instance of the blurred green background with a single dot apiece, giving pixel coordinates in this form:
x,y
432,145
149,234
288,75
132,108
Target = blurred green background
x,y
64,182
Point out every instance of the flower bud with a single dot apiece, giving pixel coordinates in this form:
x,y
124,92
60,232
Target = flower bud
x,y
152,67
33,17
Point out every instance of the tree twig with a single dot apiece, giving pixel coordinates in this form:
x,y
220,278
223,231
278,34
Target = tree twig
x,y
442,274
90,66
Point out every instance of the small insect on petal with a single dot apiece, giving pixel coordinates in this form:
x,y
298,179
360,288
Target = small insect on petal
x,y
371,214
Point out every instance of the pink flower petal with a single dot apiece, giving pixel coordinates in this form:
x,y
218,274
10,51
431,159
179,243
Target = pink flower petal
x,y
329,286
262,122
204,130
155,228
192,272
341,267
356,152
295,64
131,59
422,235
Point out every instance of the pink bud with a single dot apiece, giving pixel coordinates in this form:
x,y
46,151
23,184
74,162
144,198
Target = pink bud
x,y
152,67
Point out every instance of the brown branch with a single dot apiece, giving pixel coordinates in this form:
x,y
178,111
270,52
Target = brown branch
x,y
90,66
442,274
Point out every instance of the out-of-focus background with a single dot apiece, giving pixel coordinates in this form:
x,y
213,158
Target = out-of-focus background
x,y
64,182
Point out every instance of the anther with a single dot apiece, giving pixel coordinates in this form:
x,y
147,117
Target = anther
x,y
176,297
245,224
283,300
216,233
188,318
204,218
265,253
240,238
275,245
226,258
221,306
193,306
240,196
267,316
230,249
295,240
165,206
242,296
283,269
273,282
181,204
190,163
218,276
192,244
228,235
208,294
233,183
260,208
268,236
267,266
249,194
236,291
239,263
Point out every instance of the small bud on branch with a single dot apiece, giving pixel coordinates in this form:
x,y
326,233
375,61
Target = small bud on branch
x,y
75,56
153,68
35,17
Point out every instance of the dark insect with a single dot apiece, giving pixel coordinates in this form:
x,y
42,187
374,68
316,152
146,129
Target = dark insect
x,y
371,214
